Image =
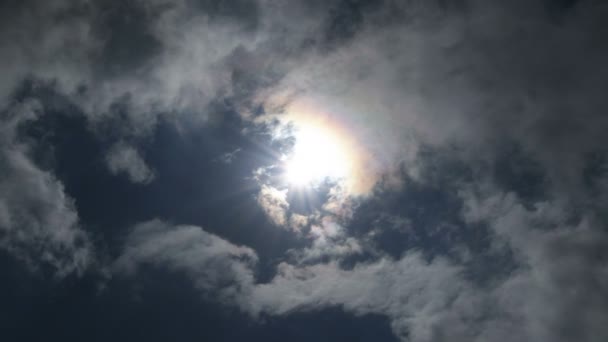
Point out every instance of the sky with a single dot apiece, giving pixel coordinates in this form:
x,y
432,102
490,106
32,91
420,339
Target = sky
x,y
291,170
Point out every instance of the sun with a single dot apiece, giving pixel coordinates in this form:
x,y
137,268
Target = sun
x,y
318,155
328,149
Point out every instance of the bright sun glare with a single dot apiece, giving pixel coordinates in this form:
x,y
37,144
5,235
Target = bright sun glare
x,y
317,155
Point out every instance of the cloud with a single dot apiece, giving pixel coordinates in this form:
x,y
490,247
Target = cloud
x,y
460,80
462,76
123,158
38,221
416,295
199,54
215,265
275,205
448,74
57,48
134,61
228,157
557,293
329,241
554,292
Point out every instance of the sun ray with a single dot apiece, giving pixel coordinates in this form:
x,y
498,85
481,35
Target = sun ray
x,y
317,155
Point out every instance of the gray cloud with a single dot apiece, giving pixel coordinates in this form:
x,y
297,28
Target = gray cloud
x,y
58,47
38,222
444,74
214,264
149,59
423,300
556,290
479,77
416,295
463,78
124,158
558,293
274,203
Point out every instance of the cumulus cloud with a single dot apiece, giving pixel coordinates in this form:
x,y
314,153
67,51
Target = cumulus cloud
x,y
52,49
447,74
465,80
123,158
419,297
214,264
558,293
38,221
463,76
329,240
554,291
130,63
274,202
416,295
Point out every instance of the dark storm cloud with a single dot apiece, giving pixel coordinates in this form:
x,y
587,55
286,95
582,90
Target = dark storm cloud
x,y
483,121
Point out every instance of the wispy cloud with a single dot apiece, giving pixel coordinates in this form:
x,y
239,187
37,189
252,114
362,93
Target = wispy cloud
x,y
122,158
38,221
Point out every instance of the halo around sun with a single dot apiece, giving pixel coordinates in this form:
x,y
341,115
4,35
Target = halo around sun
x,y
317,155
324,150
